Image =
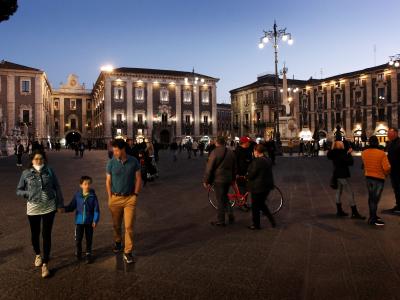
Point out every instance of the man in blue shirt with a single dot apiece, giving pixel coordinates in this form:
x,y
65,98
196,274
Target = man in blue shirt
x,y
123,184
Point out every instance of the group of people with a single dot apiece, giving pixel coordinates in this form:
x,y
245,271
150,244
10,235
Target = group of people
x,y
377,166
40,187
250,168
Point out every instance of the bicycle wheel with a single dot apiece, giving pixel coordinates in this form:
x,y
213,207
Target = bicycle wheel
x,y
212,198
275,200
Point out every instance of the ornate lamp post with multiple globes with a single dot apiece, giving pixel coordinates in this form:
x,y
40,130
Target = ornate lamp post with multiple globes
x,y
275,35
394,60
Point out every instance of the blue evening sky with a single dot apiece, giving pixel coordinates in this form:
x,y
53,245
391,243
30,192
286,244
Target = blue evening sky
x,y
216,37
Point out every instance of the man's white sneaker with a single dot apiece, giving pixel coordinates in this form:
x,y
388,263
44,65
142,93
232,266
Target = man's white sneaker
x,y
45,271
38,261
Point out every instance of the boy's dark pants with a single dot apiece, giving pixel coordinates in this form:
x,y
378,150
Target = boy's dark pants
x,y
80,230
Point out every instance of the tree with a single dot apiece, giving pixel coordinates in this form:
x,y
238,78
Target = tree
x,y
7,9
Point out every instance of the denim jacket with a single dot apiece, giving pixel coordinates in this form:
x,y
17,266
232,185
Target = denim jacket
x,y
41,189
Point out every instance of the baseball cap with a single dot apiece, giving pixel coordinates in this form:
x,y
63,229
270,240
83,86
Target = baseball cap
x,y
244,139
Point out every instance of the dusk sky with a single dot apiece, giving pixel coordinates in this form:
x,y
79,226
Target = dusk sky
x,y
217,38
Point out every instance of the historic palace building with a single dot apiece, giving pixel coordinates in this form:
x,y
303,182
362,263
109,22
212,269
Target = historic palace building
x,y
224,119
362,103
124,102
25,101
159,104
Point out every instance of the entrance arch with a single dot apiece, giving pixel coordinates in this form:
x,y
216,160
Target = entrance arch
x,y
164,136
72,137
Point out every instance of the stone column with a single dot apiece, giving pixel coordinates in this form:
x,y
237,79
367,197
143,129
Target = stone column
x,y
107,109
10,103
62,120
369,103
84,114
39,122
129,107
214,108
196,114
178,116
150,112
312,109
329,108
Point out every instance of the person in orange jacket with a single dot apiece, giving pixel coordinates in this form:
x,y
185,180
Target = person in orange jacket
x,y
376,168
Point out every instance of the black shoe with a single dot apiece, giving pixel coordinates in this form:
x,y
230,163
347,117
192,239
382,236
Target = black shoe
x,y
218,224
231,219
88,258
117,247
128,258
340,212
252,227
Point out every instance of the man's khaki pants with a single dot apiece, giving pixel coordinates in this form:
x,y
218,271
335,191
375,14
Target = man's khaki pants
x,y
123,207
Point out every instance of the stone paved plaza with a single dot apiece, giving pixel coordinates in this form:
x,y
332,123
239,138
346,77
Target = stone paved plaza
x,y
311,255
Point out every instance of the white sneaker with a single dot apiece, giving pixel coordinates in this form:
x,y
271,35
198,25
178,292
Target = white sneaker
x,y
45,271
38,261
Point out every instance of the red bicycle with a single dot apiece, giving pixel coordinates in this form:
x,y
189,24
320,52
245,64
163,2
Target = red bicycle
x,y
274,200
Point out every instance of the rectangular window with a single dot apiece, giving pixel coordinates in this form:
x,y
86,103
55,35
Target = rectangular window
x,y
119,118
140,118
187,119
25,116
73,104
56,105
164,95
89,105
119,93
25,86
139,94
380,77
205,97
187,96
205,119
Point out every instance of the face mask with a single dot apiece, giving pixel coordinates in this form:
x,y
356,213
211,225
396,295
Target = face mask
x,y
38,168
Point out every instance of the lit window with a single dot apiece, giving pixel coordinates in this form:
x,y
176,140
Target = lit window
x,y
73,104
118,93
139,94
164,94
205,96
380,77
187,96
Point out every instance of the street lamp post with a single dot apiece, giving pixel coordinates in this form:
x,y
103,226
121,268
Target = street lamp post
x,y
394,60
275,36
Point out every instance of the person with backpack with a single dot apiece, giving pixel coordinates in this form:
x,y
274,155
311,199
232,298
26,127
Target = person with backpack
x,y
376,168
341,160
220,172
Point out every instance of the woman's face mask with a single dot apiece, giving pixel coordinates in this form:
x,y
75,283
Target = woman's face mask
x,y
37,162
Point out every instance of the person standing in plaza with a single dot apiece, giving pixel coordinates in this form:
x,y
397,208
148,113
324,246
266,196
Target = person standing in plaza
x,y
39,185
244,156
220,171
301,147
260,183
123,184
195,147
341,160
188,147
19,150
393,150
174,150
376,168
81,149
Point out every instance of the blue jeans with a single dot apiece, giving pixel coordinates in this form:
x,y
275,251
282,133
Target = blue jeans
x,y
375,188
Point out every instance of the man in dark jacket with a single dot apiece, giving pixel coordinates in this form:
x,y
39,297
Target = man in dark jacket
x,y
220,171
19,150
394,159
261,182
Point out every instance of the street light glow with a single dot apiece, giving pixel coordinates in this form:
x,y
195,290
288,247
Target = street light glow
x,y
396,64
107,68
265,39
260,45
290,41
284,37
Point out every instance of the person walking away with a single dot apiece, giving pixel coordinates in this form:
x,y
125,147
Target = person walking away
x,y
131,149
201,148
174,149
290,146
261,182
19,150
195,147
81,149
376,168
39,186
244,157
301,147
87,216
342,159
394,159
220,172
123,184
188,146
210,147
271,148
